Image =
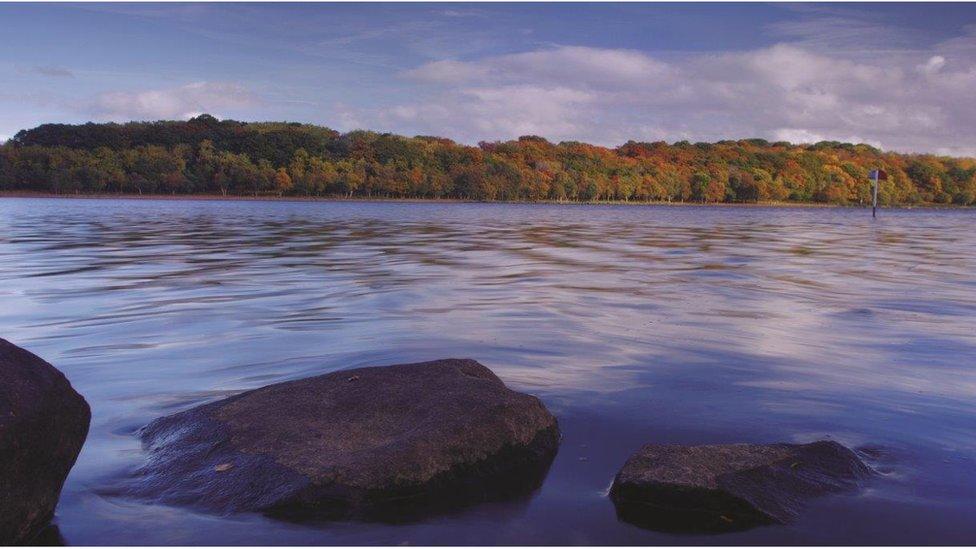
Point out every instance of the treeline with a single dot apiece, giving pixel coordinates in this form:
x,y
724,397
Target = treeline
x,y
208,156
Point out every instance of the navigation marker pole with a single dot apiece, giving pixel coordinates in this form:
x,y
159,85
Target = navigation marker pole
x,y
875,176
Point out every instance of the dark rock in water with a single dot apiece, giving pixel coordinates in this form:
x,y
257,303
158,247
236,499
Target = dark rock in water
x,y
729,487
49,536
378,443
43,424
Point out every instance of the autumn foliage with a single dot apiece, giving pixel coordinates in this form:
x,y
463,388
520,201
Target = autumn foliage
x,y
208,156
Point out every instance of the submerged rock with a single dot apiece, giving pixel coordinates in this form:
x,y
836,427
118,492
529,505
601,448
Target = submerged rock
x,y
731,486
380,442
43,424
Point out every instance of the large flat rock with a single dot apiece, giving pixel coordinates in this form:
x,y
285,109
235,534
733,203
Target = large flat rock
x,y
43,424
730,486
372,442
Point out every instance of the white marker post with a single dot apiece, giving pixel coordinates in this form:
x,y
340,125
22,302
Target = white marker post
x,y
876,175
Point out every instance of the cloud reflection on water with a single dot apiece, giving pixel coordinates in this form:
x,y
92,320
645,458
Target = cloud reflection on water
x,y
698,321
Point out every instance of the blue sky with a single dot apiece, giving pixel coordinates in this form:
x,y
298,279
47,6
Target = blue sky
x,y
900,76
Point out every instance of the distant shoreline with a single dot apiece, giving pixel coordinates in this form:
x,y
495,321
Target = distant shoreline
x,y
210,159
243,198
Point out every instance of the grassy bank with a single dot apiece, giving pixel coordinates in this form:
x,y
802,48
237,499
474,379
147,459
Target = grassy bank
x,y
271,198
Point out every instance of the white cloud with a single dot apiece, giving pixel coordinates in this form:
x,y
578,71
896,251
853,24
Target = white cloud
x,y
843,29
525,109
933,65
902,100
837,74
591,67
491,111
449,72
806,137
797,135
182,102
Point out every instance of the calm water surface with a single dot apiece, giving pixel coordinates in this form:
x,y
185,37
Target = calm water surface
x,y
633,324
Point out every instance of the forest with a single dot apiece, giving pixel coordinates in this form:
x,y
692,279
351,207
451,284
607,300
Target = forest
x,y
207,156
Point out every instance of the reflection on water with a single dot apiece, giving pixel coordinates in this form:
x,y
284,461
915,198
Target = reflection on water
x,y
634,324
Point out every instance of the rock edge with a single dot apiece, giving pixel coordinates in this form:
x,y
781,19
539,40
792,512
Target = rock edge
x,y
43,425
381,443
730,487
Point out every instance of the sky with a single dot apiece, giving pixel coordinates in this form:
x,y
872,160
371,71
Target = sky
x,y
898,76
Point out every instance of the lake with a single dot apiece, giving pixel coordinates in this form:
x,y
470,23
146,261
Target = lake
x,y
633,324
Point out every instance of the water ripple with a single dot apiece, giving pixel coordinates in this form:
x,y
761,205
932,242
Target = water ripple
x,y
634,323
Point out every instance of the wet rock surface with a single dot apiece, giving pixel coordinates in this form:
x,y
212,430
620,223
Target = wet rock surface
x,y
716,488
43,425
386,443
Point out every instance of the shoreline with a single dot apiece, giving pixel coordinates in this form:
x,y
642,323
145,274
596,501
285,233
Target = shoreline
x,y
243,198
